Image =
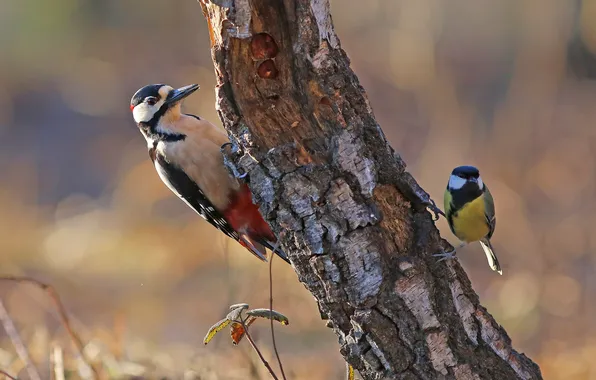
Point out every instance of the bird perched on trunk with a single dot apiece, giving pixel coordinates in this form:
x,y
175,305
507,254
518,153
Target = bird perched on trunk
x,y
470,212
185,150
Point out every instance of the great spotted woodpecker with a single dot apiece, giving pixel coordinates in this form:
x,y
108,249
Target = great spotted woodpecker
x,y
185,150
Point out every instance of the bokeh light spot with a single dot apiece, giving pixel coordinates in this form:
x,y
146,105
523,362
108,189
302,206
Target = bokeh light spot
x,y
92,88
561,295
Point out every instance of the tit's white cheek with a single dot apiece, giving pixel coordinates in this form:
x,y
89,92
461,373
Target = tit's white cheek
x,y
456,183
480,183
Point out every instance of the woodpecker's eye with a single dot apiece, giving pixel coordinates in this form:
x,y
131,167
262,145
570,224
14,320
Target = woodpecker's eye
x,y
151,100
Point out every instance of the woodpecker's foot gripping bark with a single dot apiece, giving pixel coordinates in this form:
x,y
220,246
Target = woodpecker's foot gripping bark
x,y
227,160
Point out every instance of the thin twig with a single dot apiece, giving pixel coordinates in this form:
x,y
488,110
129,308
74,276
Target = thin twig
x,y
253,364
281,367
17,342
6,374
229,280
58,363
254,346
53,294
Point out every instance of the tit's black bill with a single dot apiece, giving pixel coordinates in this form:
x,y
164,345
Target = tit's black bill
x,y
181,93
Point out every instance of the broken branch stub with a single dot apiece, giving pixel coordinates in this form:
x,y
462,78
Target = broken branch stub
x,y
355,221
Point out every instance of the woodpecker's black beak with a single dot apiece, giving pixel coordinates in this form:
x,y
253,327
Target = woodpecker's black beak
x,y
180,93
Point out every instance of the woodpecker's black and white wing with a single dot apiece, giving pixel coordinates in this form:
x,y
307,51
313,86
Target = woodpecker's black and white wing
x,y
187,190
195,116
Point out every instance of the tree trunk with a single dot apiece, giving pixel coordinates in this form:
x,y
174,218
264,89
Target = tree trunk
x,y
352,219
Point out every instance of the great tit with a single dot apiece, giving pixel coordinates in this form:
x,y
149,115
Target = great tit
x,y
470,212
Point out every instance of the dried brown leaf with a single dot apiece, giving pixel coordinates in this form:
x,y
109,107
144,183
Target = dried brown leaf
x,y
237,331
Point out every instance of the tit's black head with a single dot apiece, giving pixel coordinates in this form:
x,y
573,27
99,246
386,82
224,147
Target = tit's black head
x,y
465,177
466,172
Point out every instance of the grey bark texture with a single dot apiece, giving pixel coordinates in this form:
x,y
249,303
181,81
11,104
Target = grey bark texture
x,y
352,219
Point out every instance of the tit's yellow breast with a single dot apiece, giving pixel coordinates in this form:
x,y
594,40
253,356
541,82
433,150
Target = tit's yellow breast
x,y
469,222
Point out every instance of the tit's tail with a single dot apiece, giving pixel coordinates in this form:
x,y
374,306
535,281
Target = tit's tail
x,y
493,262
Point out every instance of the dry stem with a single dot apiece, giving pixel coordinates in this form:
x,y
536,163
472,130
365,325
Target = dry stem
x,y
254,346
17,342
281,368
58,363
6,374
53,294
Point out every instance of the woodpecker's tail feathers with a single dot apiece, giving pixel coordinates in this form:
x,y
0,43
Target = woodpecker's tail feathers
x,y
275,248
257,247
254,247
490,256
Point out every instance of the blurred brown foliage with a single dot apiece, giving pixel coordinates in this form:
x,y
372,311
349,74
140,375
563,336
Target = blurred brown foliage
x,y
504,85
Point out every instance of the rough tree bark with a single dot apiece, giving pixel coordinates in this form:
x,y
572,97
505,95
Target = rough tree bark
x,y
352,219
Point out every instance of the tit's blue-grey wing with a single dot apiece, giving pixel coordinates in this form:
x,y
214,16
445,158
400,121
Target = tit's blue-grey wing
x,y
489,211
448,207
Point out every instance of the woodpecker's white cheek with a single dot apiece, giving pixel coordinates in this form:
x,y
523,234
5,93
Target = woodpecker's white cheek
x,y
143,112
456,183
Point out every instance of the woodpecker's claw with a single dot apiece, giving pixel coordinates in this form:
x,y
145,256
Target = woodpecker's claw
x,y
435,210
235,171
229,164
234,149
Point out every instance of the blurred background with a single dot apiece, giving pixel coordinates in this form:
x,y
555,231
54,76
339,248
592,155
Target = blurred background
x,y
504,85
